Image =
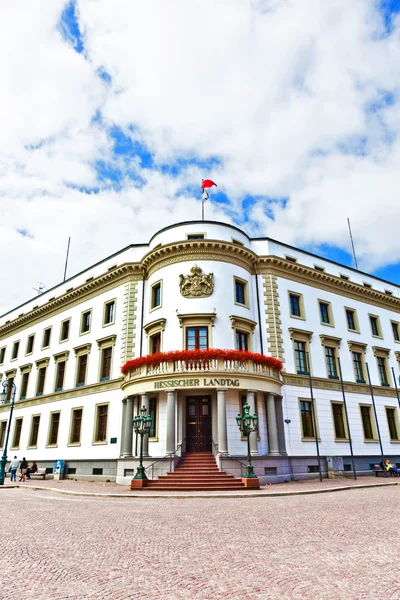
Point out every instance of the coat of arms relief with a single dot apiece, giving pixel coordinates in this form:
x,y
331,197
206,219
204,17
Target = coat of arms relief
x,y
197,284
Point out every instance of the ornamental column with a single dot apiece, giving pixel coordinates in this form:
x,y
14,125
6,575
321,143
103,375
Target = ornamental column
x,y
251,400
272,426
222,427
127,439
144,401
171,410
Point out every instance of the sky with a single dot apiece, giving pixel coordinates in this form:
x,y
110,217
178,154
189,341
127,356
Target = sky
x,y
111,114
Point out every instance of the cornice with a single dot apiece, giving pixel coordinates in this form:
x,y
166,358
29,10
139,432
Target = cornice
x,y
328,384
296,272
95,388
191,250
92,288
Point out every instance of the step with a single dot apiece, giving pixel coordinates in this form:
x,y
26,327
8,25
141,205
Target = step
x,y
196,479
196,488
196,473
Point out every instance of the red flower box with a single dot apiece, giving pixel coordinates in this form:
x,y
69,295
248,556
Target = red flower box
x,y
211,353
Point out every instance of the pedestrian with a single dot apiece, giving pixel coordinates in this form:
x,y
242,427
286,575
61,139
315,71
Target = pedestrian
x,y
32,469
14,464
23,467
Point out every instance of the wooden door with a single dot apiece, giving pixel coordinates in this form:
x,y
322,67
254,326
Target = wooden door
x,y
198,423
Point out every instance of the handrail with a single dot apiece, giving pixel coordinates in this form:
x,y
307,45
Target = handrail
x,y
236,460
214,447
160,459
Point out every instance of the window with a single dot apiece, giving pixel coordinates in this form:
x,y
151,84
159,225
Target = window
x,y
325,313
155,343
319,268
15,351
292,259
367,285
34,430
345,277
351,318
381,361
153,415
300,357
395,329
85,321
3,427
240,292
367,422
46,338
109,313
392,422
358,366
81,370
76,425
29,344
195,236
338,420
307,419
64,330
40,381
24,385
60,374
238,242
53,429
156,295
17,432
9,388
375,326
196,338
2,354
296,305
105,370
389,293
101,423
241,340
330,357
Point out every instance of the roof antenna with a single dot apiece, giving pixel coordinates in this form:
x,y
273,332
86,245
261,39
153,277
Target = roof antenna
x,y
40,288
66,260
352,244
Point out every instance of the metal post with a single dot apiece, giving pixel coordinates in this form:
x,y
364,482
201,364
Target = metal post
x,y
395,385
314,417
6,384
347,419
376,416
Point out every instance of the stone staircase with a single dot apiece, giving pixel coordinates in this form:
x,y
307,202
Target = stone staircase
x,y
197,471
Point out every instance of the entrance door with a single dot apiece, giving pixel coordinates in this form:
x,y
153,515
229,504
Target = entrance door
x,y
198,423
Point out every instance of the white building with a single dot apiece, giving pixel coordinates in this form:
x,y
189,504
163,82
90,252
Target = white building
x,y
203,285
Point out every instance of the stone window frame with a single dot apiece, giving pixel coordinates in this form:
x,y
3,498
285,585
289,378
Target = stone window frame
x,y
159,282
384,353
330,341
62,340
3,431
71,423
197,233
17,344
301,335
156,398
302,315
379,327
2,354
392,322
49,430
30,445
30,336
13,440
346,430
360,348
42,363
80,351
106,303
96,442
84,312
355,318
245,284
196,320
25,370
243,325
103,344
375,438
396,421
45,330
155,327
60,357
313,407
331,322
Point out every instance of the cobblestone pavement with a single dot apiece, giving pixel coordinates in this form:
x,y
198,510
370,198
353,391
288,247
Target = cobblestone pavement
x,y
341,546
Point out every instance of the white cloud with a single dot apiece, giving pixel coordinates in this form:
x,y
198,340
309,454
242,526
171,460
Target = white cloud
x,y
277,90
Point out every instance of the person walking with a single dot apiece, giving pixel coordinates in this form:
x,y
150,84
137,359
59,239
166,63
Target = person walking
x,y
14,464
23,467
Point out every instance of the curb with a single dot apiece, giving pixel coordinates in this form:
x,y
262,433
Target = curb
x,y
245,495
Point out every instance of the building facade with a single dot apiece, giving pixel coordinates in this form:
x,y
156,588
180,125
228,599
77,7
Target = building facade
x,y
205,285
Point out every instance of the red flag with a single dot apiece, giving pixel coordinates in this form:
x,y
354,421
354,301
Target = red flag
x,y
207,183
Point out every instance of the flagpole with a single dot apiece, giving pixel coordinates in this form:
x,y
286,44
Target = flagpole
x,y
204,197
347,419
314,417
376,416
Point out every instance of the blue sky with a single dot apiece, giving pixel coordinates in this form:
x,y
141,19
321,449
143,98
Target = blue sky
x,y
292,108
